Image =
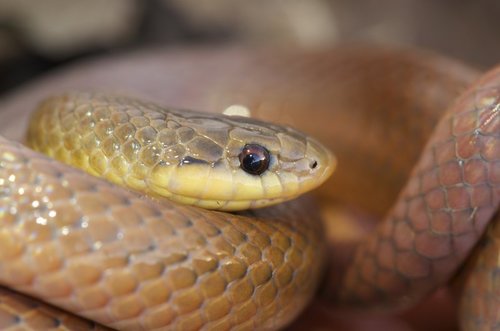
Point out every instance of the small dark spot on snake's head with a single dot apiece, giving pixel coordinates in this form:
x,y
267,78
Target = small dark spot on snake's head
x,y
186,160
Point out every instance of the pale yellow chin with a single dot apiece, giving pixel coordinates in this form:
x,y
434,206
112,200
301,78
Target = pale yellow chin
x,y
220,189
225,205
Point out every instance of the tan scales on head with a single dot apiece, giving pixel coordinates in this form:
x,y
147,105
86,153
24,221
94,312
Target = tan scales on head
x,y
189,157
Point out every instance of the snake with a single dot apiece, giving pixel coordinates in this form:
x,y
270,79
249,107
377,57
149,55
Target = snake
x,y
417,144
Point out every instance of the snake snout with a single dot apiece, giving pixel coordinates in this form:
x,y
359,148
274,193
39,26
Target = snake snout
x,y
321,161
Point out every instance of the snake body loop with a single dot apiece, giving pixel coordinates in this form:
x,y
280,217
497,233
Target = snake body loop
x,y
383,113
442,212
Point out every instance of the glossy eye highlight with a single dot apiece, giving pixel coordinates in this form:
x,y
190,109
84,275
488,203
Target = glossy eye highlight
x,y
254,159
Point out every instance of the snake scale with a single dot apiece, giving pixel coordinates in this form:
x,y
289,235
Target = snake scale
x,y
377,109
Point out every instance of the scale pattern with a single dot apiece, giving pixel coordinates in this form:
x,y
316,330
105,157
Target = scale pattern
x,y
18,312
479,308
132,263
442,212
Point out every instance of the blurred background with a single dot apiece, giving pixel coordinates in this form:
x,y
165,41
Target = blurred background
x,y
36,36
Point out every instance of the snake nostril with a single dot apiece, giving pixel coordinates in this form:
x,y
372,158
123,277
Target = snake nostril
x,y
313,164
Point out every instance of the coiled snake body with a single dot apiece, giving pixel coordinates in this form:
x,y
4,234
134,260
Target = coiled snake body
x,y
354,98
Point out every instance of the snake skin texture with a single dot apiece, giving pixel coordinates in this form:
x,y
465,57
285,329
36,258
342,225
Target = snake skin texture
x,y
479,306
133,263
442,212
18,312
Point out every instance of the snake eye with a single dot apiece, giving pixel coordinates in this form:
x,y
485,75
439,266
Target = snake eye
x,y
254,159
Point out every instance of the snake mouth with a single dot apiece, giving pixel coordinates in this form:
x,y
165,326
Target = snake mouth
x,y
224,188
218,188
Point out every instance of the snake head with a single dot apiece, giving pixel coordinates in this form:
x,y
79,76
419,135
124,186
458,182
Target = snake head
x,y
236,163
210,160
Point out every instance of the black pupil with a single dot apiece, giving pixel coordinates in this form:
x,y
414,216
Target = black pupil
x,y
254,159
